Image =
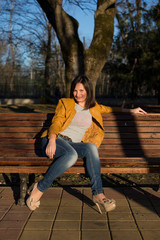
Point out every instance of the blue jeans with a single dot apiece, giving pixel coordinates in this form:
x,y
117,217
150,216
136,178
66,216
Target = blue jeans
x,y
66,155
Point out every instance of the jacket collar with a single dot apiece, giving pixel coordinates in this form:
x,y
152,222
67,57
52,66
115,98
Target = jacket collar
x,y
94,111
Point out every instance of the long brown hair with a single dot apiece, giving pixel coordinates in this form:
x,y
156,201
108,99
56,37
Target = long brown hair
x,y
90,101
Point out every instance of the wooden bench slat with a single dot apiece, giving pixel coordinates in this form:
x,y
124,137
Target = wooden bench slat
x,y
115,147
128,161
25,163
105,142
132,129
36,169
18,141
129,147
131,124
20,153
109,116
13,161
26,116
125,116
107,135
32,169
122,153
132,135
102,153
18,135
21,123
108,124
20,129
121,130
18,147
130,170
126,141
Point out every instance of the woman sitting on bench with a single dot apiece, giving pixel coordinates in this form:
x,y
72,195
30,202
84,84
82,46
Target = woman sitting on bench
x,y
76,132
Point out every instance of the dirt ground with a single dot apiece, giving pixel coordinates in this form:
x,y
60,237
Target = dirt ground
x,y
82,180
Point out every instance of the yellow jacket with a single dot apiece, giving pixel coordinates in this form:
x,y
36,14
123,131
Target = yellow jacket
x,y
64,114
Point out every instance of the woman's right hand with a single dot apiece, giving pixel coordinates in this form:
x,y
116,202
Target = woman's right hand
x,y
51,147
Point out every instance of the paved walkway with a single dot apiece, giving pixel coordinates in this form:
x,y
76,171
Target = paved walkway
x,y
69,214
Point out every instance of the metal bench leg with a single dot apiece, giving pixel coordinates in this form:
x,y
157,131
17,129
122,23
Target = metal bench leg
x,y
23,188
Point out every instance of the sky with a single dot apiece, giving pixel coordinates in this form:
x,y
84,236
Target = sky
x,y
86,20
86,26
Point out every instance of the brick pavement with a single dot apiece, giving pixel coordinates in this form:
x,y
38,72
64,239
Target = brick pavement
x,y
69,214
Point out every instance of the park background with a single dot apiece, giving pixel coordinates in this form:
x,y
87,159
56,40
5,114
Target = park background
x,y
130,76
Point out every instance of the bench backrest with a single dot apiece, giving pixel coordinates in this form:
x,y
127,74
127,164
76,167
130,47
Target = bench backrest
x,y
126,137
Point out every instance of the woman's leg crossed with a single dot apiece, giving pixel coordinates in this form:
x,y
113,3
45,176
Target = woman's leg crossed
x,y
64,158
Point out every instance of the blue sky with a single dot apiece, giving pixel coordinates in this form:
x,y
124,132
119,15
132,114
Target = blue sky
x,y
86,26
86,20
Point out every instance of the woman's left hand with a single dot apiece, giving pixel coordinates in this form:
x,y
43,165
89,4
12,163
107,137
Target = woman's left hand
x,y
138,111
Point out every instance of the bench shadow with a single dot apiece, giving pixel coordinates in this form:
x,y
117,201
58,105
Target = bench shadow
x,y
136,192
20,109
13,180
37,137
77,194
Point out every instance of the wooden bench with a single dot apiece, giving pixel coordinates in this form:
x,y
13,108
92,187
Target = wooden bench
x,y
131,145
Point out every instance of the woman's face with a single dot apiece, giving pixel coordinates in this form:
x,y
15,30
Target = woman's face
x,y
80,94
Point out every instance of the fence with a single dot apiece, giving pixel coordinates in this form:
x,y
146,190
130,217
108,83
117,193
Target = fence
x,y
22,86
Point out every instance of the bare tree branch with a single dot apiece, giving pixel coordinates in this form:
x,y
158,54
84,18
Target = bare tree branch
x,y
103,5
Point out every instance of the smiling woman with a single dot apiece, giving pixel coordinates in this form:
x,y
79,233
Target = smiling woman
x,y
76,132
80,94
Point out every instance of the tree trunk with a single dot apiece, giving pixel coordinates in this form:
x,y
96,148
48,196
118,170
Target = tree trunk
x,y
11,52
77,59
97,54
47,66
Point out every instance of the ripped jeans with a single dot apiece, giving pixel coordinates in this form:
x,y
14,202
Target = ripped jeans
x,y
66,155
